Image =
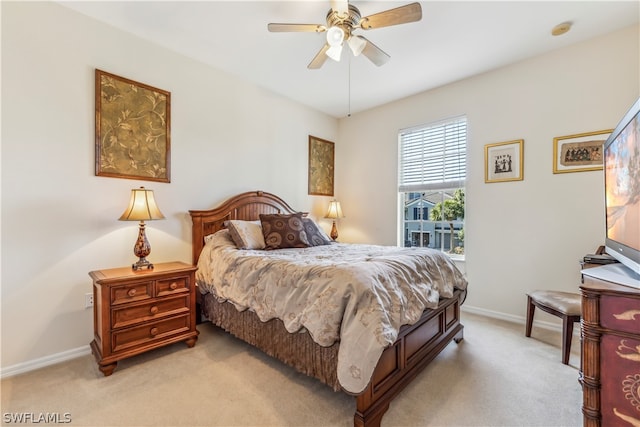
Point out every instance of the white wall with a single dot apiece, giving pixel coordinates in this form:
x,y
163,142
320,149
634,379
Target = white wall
x,y
521,235
59,221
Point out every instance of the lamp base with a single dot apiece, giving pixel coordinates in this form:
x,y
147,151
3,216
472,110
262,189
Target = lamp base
x,y
142,264
142,249
334,231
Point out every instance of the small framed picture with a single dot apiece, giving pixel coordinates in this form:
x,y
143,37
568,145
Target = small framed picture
x,y
579,153
504,161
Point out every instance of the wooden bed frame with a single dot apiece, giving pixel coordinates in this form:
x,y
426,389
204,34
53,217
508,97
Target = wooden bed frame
x,y
416,346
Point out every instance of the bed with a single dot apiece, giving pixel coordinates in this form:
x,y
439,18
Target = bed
x,y
396,363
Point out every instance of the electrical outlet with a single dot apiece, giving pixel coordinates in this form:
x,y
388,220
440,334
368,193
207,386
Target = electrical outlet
x,y
88,300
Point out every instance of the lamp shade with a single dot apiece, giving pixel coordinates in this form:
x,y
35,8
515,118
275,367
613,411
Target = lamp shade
x,y
357,44
142,206
335,36
335,211
334,52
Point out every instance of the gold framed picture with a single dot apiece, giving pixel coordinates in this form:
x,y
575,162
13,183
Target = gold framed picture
x,y
504,161
133,129
321,166
580,152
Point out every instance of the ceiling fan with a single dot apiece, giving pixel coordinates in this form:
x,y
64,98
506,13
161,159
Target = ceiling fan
x,y
342,20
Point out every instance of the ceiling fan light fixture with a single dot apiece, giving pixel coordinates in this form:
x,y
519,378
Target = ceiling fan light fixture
x,y
335,36
342,20
357,44
334,52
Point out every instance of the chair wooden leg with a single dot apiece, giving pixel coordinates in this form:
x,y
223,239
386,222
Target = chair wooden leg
x,y
530,309
567,335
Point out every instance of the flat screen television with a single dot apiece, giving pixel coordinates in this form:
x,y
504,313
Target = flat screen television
x,y
622,200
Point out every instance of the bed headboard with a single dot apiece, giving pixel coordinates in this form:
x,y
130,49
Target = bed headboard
x,y
246,206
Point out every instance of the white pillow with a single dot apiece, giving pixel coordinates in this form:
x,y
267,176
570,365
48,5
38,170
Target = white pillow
x,y
246,234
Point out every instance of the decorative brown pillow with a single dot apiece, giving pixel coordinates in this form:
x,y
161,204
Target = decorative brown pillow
x,y
282,231
315,235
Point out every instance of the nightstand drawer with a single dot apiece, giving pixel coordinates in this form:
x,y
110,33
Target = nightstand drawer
x,y
620,313
171,286
131,315
149,332
131,292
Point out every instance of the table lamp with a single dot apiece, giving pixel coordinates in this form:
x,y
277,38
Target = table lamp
x,y
142,207
334,212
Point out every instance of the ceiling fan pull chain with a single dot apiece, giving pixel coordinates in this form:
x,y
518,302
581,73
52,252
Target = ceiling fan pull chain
x,y
349,88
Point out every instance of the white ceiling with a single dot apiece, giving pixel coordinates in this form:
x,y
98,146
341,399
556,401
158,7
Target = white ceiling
x,y
454,40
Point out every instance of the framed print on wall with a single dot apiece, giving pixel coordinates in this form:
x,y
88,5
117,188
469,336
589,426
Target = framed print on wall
x,y
504,161
579,153
321,166
133,129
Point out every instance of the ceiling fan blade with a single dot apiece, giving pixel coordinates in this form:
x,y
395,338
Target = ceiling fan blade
x,y
299,28
319,59
400,15
374,53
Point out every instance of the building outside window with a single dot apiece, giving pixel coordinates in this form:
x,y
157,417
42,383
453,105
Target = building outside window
x,y
431,185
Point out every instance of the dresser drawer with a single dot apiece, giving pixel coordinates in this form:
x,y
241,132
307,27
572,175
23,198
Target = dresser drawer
x,y
131,292
619,313
149,332
174,285
124,316
621,383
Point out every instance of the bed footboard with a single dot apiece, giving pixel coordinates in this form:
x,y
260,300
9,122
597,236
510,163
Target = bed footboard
x,y
416,346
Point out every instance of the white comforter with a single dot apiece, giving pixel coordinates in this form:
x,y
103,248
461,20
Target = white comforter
x,y
358,294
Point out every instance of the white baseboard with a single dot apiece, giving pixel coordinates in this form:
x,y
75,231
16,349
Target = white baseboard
x,y
32,365
492,314
42,362
557,327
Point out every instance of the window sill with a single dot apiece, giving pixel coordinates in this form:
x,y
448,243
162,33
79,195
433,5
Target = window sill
x,y
456,257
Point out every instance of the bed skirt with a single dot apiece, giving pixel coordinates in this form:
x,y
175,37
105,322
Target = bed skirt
x,y
297,350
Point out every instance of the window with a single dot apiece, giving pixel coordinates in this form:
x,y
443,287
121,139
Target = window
x,y
431,185
417,214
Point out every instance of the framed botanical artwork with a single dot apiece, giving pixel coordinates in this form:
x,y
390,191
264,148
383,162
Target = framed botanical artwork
x,y
504,161
579,153
133,129
321,166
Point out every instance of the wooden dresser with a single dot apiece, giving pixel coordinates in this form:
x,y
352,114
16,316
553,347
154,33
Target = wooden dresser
x,y
137,311
610,364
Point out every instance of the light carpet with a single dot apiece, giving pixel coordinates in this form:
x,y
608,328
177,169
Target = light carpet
x,y
495,377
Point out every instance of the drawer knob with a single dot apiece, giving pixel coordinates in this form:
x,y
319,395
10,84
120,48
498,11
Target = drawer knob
x,y
173,286
153,331
154,309
131,292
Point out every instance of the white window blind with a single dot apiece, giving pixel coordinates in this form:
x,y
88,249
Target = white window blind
x,y
433,156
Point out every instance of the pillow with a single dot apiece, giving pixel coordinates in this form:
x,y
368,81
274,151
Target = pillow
x,y
283,231
246,234
315,235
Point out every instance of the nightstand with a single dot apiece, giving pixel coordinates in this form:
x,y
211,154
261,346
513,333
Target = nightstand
x,y
137,311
